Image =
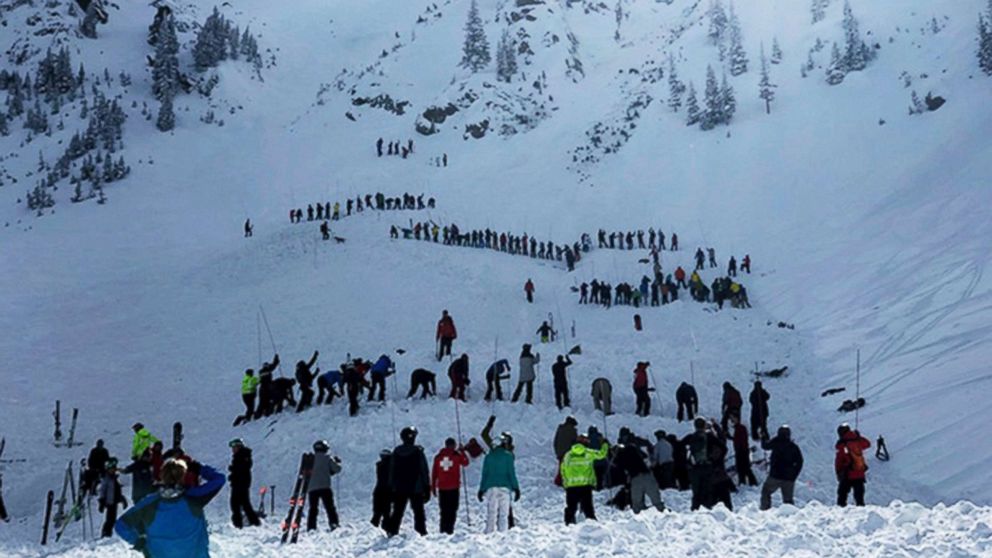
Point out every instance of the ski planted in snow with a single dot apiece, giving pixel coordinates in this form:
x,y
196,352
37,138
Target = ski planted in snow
x,y
260,512
177,435
72,428
307,468
3,508
58,421
293,498
48,516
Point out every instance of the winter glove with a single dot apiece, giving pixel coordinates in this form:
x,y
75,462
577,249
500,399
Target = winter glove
x,y
480,495
516,495
139,544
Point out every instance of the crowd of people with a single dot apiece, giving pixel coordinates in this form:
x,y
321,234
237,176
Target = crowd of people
x,y
325,211
662,290
620,240
518,245
396,148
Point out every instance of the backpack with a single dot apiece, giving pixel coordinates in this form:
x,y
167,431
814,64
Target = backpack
x,y
856,459
699,454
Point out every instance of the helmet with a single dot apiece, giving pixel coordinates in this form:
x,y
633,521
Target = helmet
x,y
321,446
784,431
843,429
110,464
408,434
506,440
236,443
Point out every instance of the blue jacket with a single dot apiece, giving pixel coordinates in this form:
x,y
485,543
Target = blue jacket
x,y
332,377
382,366
170,523
498,471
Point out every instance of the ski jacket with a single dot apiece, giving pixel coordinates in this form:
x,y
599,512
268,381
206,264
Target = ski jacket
x,y
143,440
408,473
110,491
662,452
458,372
759,402
249,384
446,328
732,399
171,522
498,471
786,460
382,366
142,480
527,363
741,441
324,466
641,376
679,274
631,460
686,394
447,471
331,378
240,468
559,371
528,287
704,449
496,370
577,466
97,459
850,461
565,437
382,473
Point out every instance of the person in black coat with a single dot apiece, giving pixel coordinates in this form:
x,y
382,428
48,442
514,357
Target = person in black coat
x,y
305,378
559,371
759,412
409,481
240,479
95,465
785,464
425,381
687,400
382,496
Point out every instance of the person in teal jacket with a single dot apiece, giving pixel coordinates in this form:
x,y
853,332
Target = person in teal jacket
x,y
170,523
499,479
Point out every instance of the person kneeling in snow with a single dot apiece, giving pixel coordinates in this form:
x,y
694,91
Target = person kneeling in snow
x,y
171,522
499,479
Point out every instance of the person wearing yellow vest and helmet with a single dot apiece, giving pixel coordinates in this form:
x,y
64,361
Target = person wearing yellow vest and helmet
x,y
579,478
143,440
249,390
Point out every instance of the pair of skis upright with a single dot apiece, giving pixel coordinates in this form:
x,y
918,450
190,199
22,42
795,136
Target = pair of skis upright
x,y
58,426
291,525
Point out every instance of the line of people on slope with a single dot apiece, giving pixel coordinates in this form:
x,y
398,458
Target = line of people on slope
x,y
321,211
519,245
394,148
701,260
620,240
663,290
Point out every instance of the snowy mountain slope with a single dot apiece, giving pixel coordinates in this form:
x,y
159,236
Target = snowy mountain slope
x,y
862,234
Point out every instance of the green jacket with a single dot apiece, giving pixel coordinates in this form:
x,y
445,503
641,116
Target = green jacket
x,y
576,468
249,384
143,440
498,471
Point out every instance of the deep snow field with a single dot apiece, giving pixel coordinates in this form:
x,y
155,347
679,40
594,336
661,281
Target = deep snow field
x,y
865,236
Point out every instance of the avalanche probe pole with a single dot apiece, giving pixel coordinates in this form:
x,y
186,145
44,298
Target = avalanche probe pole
x,y
857,408
271,339
458,427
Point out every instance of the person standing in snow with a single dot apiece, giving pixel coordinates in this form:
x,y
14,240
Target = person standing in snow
x,y
700,259
355,382
706,453
712,254
409,481
602,396
305,378
565,437
142,478
662,461
579,479
641,390
95,466
732,267
497,372
458,374
142,440
785,464
382,496
850,465
688,402
266,394
559,371
742,455
382,369
249,391
529,290
445,335
109,496
746,264
240,479
631,460
546,333
446,481
732,404
499,480
527,374
171,522
249,229
759,411
319,490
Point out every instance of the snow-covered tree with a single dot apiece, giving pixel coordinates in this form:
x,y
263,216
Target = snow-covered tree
x,y
475,51
836,71
211,42
856,52
718,22
692,111
506,58
728,103
165,72
713,104
985,43
776,51
916,105
675,87
166,117
737,54
766,89
618,11
818,9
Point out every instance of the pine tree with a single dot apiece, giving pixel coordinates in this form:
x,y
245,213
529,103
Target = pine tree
x,y
916,106
475,51
211,42
836,71
985,44
818,9
766,89
165,73
713,113
166,117
506,58
718,22
618,11
738,56
728,103
776,51
4,130
854,48
675,87
692,107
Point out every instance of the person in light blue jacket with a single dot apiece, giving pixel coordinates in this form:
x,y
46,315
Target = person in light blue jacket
x,y
170,523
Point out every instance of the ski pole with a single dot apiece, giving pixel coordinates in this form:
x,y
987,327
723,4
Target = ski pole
x,y
857,397
271,339
458,429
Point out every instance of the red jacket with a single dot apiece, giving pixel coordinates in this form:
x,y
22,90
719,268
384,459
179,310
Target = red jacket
x,y
741,443
446,328
528,287
679,274
641,376
447,471
850,460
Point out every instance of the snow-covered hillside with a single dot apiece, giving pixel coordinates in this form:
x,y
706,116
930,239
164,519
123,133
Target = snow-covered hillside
x,y
867,227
